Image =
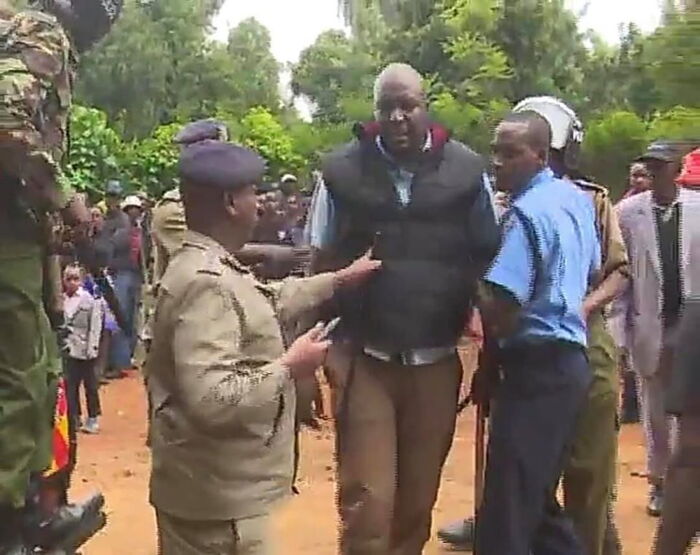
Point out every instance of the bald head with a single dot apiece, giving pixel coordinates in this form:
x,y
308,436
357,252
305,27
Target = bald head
x,y
401,110
536,130
396,76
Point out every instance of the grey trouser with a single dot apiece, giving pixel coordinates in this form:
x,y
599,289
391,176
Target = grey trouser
x,y
659,427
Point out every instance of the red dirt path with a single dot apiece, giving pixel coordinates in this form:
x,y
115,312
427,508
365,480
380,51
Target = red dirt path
x,y
117,462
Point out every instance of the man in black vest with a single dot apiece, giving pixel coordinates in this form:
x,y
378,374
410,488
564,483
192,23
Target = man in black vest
x,y
422,203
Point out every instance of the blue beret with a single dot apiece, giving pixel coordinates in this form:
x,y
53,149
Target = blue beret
x,y
222,165
202,130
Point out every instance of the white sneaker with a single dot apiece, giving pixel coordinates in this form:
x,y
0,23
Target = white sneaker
x,y
91,426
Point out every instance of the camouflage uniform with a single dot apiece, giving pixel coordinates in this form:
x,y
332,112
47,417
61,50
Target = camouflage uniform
x,y
36,71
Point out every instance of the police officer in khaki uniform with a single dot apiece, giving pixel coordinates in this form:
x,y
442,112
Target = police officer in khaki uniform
x,y
219,378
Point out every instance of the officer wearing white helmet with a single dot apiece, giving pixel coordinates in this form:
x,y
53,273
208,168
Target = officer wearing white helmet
x,y
589,474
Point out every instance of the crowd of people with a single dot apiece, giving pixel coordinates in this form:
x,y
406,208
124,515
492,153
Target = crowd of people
x,y
572,295
230,294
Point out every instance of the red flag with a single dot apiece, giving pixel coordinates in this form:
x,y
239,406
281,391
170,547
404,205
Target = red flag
x,y
60,432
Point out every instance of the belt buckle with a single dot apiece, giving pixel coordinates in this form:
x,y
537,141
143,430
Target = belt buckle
x,y
404,358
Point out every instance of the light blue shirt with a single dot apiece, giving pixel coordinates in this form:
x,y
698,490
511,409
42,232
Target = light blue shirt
x,y
549,253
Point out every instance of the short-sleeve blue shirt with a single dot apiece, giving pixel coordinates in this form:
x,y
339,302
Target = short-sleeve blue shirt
x,y
549,253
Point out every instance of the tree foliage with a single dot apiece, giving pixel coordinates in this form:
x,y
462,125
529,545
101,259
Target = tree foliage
x,y
159,68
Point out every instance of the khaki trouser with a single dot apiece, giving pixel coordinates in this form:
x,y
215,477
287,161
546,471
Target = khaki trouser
x,y
248,536
394,427
589,475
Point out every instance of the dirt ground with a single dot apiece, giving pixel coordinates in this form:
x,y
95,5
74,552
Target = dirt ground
x,y
117,463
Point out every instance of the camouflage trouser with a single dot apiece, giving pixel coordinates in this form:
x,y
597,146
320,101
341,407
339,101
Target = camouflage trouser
x,y
29,370
589,476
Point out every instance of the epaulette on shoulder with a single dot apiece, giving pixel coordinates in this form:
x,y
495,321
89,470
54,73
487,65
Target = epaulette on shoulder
x,y
589,186
213,264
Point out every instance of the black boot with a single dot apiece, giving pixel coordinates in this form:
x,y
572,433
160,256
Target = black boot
x,y
11,540
72,525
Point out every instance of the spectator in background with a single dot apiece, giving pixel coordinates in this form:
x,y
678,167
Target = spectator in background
x,y
690,174
661,228
115,219
270,214
83,317
127,269
292,231
103,251
639,181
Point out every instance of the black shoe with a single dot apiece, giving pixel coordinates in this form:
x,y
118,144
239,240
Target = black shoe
x,y
72,525
458,535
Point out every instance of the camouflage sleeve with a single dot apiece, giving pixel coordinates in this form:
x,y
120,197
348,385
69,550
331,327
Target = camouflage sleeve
x,y
614,252
36,84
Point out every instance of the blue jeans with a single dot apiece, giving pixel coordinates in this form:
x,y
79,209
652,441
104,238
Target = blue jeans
x,y
532,425
127,287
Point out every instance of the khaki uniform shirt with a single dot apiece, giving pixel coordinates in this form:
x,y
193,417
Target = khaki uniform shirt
x,y
222,404
612,246
168,230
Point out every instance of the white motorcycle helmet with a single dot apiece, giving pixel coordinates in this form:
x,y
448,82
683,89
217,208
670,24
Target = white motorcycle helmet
x,y
567,129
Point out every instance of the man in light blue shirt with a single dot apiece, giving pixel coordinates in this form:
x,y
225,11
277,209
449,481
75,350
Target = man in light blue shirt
x,y
532,302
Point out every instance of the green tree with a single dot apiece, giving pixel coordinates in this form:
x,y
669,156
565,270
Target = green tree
x,y
611,142
95,150
330,70
254,67
261,131
150,164
156,66
674,58
679,123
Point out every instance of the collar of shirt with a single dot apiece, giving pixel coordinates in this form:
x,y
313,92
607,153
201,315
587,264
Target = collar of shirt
x,y
665,207
401,177
545,175
72,302
204,242
427,145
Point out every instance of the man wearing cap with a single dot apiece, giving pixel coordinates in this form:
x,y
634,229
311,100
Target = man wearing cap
x,y
219,378
127,270
661,229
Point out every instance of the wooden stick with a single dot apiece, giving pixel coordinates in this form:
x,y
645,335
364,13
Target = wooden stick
x,y
479,456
